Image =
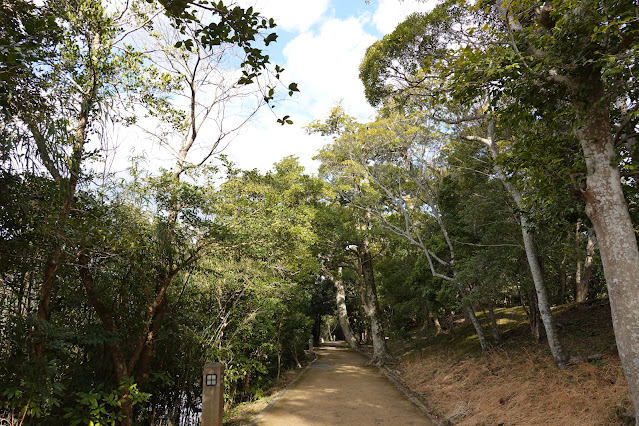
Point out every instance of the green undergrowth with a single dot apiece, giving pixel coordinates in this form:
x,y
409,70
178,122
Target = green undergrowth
x,y
245,413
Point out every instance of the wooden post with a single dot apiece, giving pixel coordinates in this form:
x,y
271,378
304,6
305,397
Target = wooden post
x,y
212,394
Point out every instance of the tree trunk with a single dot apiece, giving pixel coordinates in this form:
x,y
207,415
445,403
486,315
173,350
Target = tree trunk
x,y
279,349
532,313
50,268
562,281
146,331
450,322
297,361
590,254
75,166
559,354
579,292
342,312
470,313
582,281
438,326
115,348
368,292
144,364
608,211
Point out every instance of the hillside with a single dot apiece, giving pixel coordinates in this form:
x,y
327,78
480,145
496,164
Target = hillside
x,y
517,382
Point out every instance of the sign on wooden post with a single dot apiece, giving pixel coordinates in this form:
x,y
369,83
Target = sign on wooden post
x,y
213,394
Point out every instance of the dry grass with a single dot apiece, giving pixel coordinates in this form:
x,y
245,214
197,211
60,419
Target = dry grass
x,y
519,384
519,388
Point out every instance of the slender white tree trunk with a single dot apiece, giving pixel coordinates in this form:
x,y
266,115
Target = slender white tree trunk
x,y
559,354
478,328
582,280
579,291
557,349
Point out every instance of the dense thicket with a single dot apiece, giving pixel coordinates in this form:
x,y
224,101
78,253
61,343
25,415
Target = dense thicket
x,y
116,291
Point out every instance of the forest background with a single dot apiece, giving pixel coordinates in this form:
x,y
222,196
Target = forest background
x,y
499,171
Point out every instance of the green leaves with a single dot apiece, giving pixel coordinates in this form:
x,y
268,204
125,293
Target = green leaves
x,y
292,88
285,120
188,44
415,56
69,74
101,407
270,38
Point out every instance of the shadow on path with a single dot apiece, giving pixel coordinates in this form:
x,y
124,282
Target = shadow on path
x,y
339,389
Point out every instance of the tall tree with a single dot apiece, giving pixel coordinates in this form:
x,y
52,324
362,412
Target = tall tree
x,y
579,57
390,164
583,56
427,48
72,63
357,241
337,279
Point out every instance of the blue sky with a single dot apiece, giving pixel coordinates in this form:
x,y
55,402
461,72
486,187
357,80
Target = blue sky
x,y
343,11
320,44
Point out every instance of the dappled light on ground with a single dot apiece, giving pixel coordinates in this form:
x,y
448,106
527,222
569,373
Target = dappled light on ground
x,y
341,390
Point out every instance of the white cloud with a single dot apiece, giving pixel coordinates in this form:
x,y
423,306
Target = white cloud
x,y
290,15
261,146
389,13
326,66
323,59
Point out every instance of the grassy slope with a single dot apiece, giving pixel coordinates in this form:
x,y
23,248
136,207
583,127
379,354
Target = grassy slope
x,y
517,383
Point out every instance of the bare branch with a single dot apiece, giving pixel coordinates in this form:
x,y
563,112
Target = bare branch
x,y
485,141
40,141
432,267
142,25
488,245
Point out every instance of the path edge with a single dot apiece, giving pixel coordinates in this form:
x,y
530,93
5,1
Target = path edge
x,y
280,394
412,395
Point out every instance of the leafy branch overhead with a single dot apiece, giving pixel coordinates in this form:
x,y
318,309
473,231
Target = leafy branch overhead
x,y
231,25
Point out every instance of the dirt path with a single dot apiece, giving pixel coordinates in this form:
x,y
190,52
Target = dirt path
x,y
338,389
